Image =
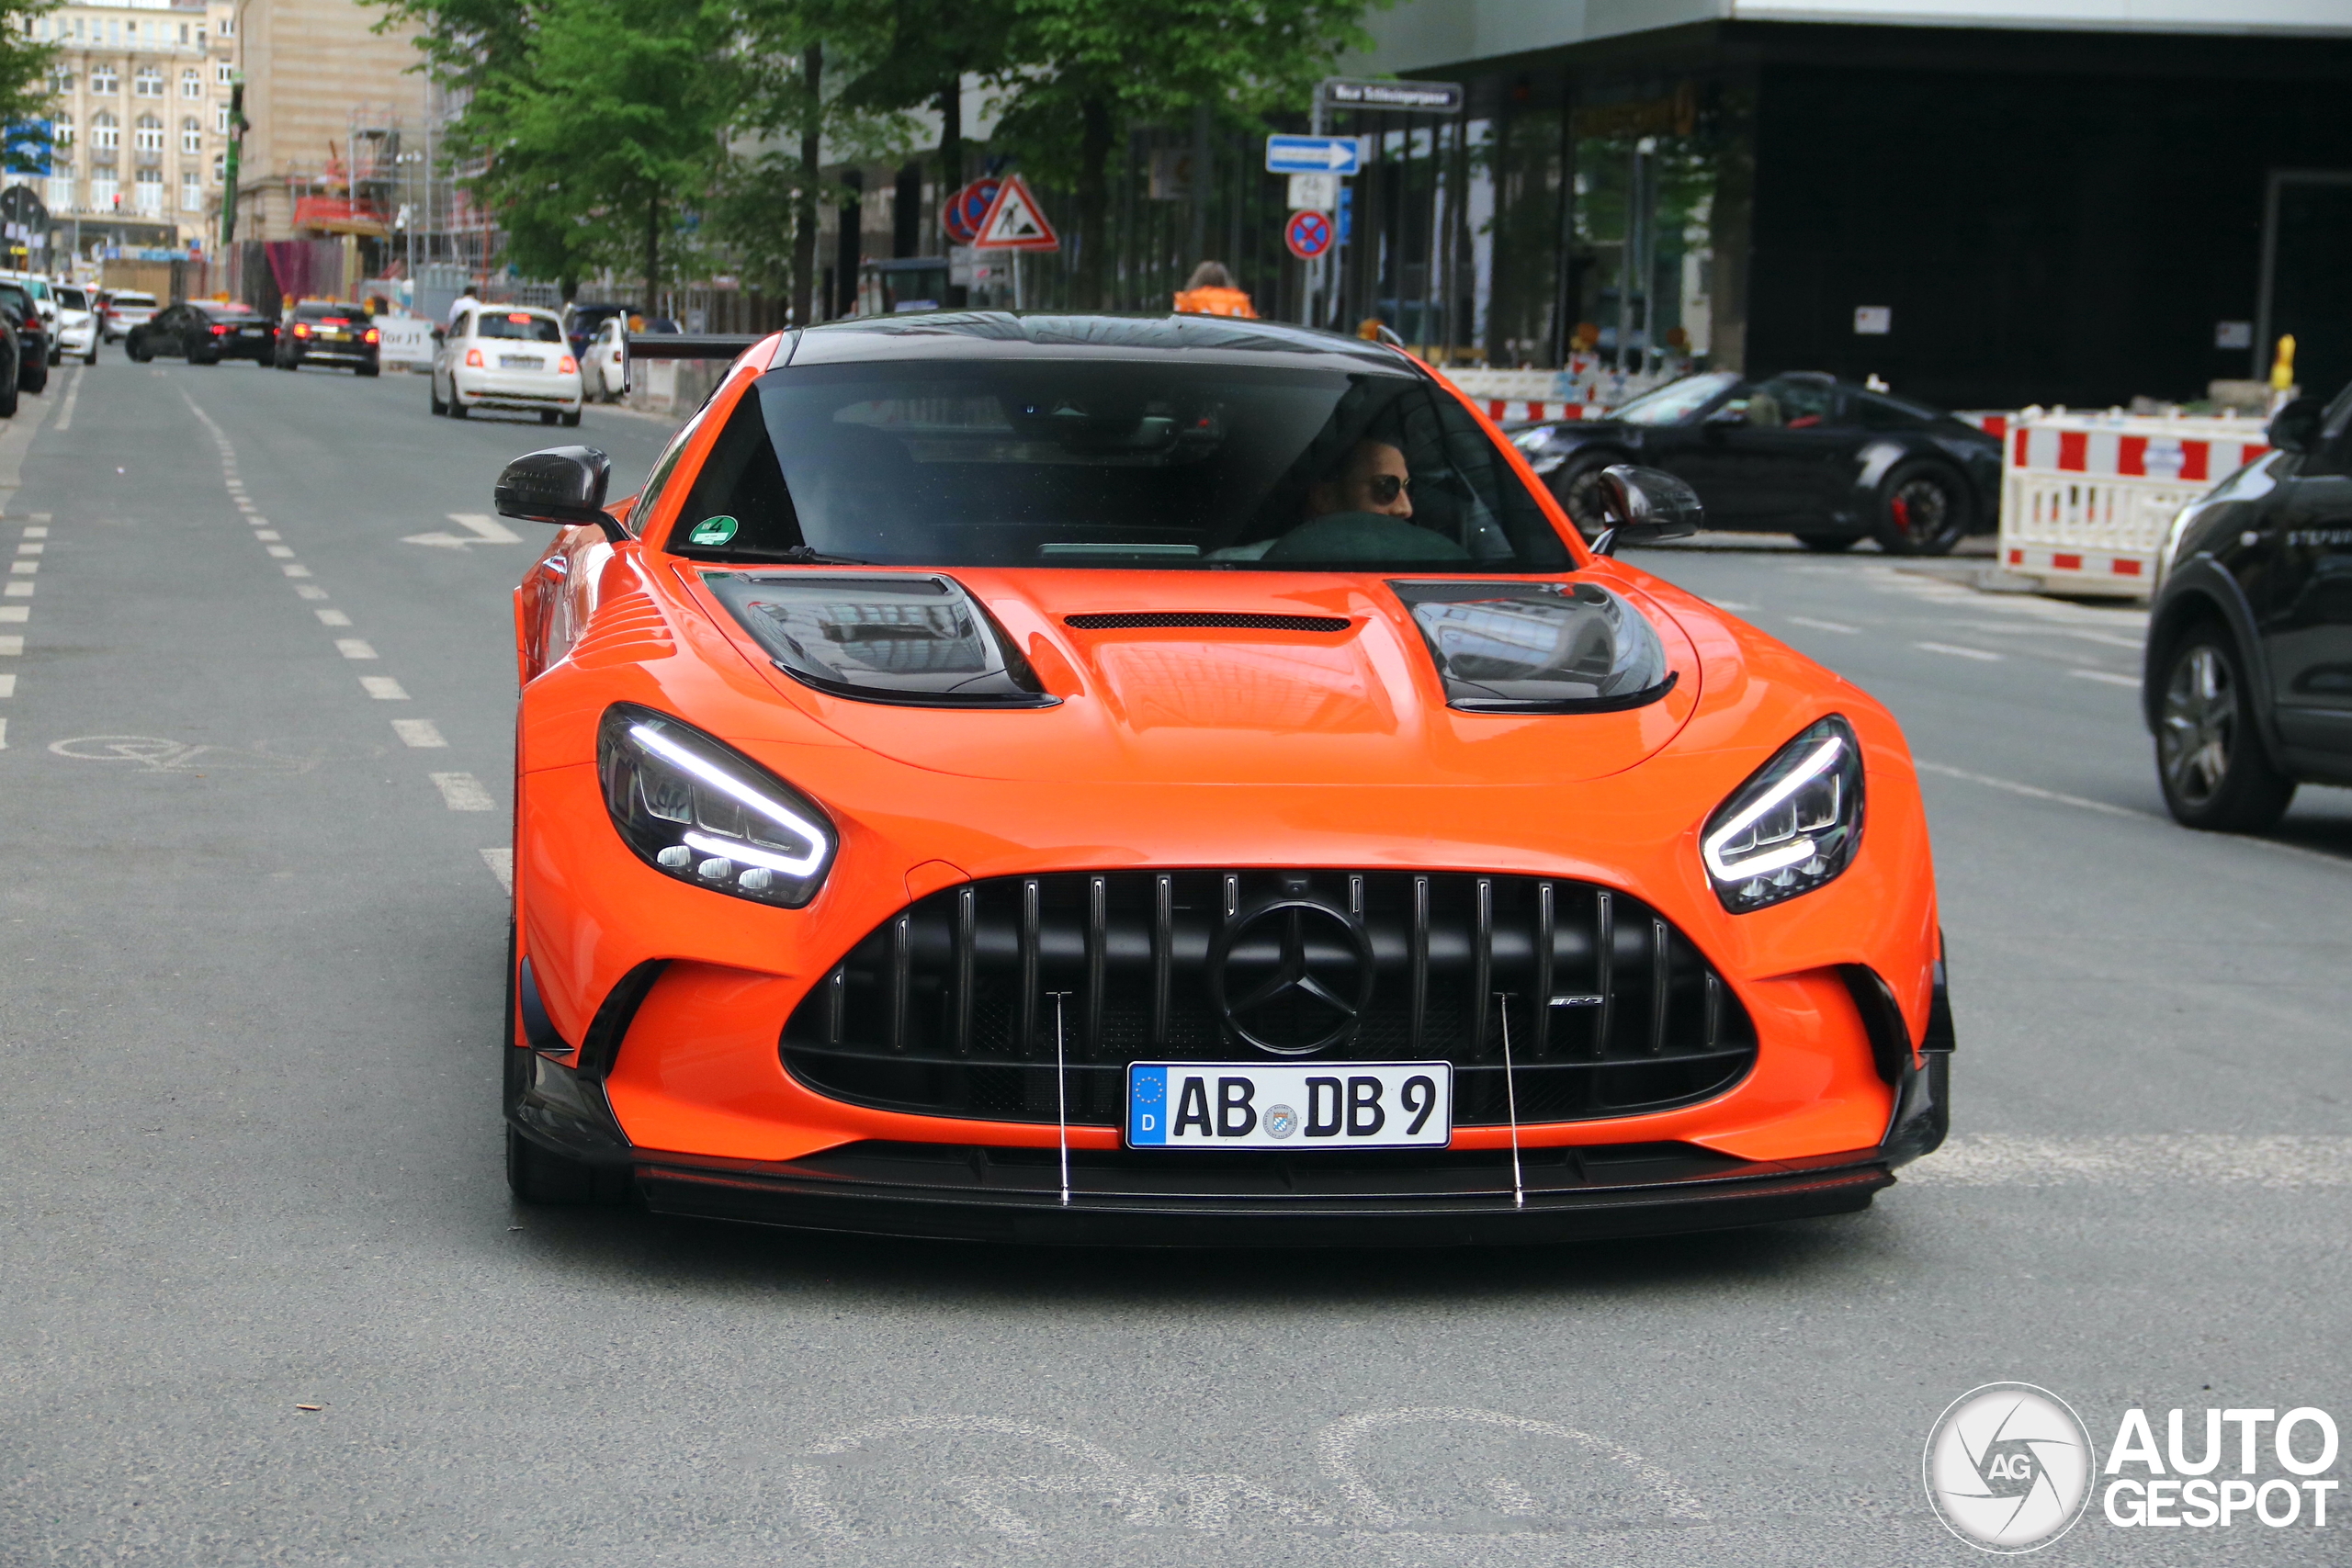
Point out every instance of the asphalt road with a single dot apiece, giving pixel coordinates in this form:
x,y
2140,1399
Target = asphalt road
x,y
253,794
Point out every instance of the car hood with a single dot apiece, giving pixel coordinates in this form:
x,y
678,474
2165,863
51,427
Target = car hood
x,y
1233,705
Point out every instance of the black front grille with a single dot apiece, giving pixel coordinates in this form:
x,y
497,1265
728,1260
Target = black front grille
x,y
1141,620
951,1008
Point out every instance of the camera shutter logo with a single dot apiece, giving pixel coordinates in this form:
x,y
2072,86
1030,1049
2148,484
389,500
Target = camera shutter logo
x,y
2008,1467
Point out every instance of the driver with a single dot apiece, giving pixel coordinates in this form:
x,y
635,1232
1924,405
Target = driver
x,y
1372,479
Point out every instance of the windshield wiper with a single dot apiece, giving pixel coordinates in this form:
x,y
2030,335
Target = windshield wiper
x,y
799,555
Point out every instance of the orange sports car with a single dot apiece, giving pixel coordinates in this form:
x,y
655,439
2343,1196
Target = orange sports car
x,y
1183,781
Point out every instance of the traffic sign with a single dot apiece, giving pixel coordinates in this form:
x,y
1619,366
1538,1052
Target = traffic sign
x,y
1407,97
1015,222
1314,193
962,214
1309,234
1313,154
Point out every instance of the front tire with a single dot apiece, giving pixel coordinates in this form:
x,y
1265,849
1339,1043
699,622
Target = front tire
x,y
90,355
1581,492
571,417
2210,760
1923,511
546,416
1829,544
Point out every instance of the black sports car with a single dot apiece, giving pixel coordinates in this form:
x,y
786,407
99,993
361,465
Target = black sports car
x,y
202,332
2248,680
1800,453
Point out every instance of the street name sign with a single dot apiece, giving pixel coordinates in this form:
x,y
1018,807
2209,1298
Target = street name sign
x,y
1015,222
1407,97
1313,154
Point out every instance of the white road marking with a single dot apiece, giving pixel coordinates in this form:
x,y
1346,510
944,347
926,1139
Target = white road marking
x,y
280,552
2030,792
332,618
2169,1160
41,517
291,570
11,646
502,867
1957,652
420,733
7,685
354,648
439,541
14,613
267,535
36,533
309,592
31,549
2109,676
484,526
3,735
257,520
17,590
2133,643
383,688
1823,626
24,568
1735,605
65,408
463,792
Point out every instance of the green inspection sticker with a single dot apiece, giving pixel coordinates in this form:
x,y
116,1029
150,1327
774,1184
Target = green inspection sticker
x,y
713,530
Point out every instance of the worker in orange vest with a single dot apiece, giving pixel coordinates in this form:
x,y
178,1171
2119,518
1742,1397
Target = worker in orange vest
x,y
1211,293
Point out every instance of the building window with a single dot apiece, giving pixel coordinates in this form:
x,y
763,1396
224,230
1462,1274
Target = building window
x,y
147,191
150,135
149,84
60,80
102,78
61,129
106,133
60,193
228,26
220,167
222,73
105,195
191,135
191,194
221,119
192,83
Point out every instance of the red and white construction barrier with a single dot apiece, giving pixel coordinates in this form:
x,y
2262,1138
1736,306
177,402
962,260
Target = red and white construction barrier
x,y
1514,411
2086,500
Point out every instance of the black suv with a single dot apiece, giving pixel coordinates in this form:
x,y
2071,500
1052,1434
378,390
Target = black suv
x,y
2248,682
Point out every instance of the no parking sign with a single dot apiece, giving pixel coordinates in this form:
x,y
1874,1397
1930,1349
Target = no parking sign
x,y
1309,234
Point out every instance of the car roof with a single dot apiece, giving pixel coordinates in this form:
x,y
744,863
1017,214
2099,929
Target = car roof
x,y
1001,334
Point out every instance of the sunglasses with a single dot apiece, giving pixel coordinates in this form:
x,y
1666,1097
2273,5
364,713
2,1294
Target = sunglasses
x,y
1385,487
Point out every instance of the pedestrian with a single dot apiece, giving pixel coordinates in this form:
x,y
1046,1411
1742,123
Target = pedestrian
x,y
1211,293
465,301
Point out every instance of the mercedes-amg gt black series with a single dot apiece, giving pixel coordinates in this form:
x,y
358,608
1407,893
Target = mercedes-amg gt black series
x,y
2248,679
1801,452
203,332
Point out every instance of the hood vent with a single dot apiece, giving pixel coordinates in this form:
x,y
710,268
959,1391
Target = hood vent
x,y
1140,620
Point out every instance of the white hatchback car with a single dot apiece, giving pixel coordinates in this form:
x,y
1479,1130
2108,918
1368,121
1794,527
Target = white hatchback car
x,y
77,322
607,370
502,358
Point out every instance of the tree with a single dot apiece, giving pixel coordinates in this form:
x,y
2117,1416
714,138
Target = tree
x,y
1093,65
25,68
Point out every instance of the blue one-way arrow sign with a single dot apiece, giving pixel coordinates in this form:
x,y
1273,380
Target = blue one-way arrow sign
x,y
1312,154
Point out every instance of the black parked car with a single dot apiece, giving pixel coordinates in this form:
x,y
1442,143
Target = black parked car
x,y
2248,680
1801,452
202,332
15,310
329,332
31,336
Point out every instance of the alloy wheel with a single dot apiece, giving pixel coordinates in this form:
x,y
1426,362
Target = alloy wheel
x,y
1583,497
2199,725
1923,513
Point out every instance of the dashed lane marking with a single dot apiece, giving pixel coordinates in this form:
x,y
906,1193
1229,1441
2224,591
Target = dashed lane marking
x,y
309,590
463,792
420,733
17,590
24,568
383,688
2169,1160
36,532
33,549
1955,651
1822,625
502,867
332,618
7,685
2109,677
14,613
65,407
268,535
354,648
292,570
11,646
2031,792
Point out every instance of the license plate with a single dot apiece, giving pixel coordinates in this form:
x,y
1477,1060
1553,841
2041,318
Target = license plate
x,y
1250,1105
251,331
332,338
520,362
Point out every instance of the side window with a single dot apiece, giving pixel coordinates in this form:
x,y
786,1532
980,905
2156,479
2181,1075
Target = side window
x,y
2333,453
650,497
1878,413
1790,404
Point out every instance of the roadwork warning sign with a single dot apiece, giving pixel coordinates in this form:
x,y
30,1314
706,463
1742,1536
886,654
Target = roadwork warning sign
x,y
1015,222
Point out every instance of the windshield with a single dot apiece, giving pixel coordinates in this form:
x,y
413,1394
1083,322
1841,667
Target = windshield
x,y
1678,400
520,325
72,299
1098,463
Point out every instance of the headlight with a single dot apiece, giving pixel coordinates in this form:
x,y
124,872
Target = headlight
x,y
704,813
1794,826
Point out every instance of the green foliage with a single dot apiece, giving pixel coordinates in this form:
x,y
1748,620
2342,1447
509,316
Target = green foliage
x,y
24,62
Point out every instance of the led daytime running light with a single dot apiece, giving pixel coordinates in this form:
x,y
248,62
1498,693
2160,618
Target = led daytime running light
x,y
1797,852
800,827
